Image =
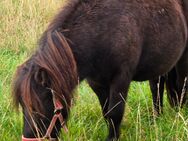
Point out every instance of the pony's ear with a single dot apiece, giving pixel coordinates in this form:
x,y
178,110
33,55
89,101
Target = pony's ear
x,y
41,77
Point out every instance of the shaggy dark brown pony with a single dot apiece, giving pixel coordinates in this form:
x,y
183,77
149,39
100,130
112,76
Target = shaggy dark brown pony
x,y
107,42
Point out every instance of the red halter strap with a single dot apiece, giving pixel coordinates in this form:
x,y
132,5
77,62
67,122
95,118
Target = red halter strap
x,y
37,139
57,115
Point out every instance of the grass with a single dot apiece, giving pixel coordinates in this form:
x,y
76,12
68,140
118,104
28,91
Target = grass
x,y
21,24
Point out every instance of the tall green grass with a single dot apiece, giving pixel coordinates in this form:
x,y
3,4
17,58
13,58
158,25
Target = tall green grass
x,y
21,24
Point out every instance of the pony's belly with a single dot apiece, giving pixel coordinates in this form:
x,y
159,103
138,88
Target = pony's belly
x,y
146,75
151,71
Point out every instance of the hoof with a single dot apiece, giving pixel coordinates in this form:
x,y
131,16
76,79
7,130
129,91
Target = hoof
x,y
111,139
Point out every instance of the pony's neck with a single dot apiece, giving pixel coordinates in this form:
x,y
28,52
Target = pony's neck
x,y
63,15
77,34
69,12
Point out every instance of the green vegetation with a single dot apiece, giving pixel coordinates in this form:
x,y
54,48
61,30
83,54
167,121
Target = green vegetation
x,y
21,24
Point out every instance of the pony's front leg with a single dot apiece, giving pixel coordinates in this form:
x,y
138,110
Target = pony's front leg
x,y
118,94
102,92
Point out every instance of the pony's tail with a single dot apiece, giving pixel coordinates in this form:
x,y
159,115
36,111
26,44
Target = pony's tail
x,y
185,9
185,4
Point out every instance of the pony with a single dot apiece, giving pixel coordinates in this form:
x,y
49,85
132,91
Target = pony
x,y
109,43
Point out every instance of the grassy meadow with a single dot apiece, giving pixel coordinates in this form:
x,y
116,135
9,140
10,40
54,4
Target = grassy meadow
x,y
21,24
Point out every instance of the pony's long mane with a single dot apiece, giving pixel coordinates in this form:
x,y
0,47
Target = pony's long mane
x,y
55,63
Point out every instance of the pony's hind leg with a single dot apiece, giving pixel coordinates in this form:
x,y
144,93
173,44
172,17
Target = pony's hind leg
x,y
118,94
157,89
182,78
171,87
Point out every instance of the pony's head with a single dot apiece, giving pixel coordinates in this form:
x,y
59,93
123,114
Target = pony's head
x,y
50,72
